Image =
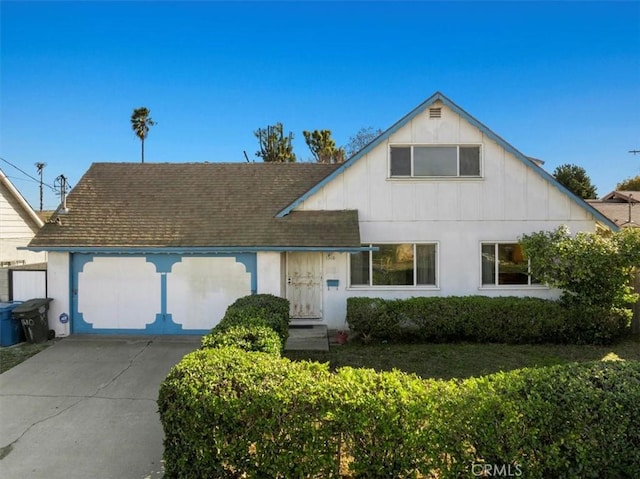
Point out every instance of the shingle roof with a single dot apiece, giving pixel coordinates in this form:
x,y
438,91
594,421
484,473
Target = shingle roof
x,y
621,207
196,205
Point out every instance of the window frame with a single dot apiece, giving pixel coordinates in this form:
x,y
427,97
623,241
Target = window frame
x,y
496,269
457,176
415,285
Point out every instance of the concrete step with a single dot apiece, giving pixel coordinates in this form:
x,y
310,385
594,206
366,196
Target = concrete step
x,y
308,338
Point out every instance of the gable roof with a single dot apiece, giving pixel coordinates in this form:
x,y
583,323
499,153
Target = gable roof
x,y
621,196
195,205
20,201
439,97
621,207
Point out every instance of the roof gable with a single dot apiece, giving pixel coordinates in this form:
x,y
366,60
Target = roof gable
x,y
435,98
26,209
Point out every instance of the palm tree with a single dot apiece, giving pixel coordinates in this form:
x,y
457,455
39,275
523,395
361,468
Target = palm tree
x,y
140,122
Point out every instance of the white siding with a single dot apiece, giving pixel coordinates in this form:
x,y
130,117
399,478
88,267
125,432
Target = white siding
x,y
16,230
458,213
58,286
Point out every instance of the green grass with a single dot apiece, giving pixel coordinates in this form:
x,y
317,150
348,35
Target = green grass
x,y
463,360
14,355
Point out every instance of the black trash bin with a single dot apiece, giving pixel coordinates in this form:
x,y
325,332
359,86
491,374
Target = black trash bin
x,y
33,316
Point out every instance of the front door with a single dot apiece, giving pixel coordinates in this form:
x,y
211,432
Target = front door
x,y
304,285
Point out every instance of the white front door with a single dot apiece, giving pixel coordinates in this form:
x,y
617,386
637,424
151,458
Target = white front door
x,y
304,285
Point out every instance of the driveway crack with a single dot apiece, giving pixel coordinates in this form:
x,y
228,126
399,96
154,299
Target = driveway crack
x,y
6,450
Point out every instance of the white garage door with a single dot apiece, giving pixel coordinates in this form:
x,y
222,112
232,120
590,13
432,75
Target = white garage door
x,y
158,293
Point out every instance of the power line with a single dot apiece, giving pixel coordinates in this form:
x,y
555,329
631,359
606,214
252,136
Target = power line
x,y
26,174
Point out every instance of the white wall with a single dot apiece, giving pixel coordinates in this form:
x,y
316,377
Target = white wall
x,y
16,230
58,284
458,214
269,273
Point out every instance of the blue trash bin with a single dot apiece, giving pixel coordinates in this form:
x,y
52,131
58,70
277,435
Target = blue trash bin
x,y
10,330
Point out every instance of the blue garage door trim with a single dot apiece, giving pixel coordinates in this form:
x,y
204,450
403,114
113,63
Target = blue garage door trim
x,y
163,323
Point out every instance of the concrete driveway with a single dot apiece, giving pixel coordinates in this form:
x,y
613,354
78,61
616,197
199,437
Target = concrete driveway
x,y
86,408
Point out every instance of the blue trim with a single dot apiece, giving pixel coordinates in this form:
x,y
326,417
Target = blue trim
x,y
473,121
196,250
163,322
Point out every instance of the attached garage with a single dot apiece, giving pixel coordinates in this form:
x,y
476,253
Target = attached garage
x,y
165,248
157,293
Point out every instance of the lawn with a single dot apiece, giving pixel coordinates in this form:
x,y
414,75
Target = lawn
x,y
462,360
11,356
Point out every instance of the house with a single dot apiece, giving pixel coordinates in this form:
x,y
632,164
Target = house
x,y
18,225
434,206
621,207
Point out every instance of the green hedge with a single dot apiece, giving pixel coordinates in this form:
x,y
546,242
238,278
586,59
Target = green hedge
x,y
483,319
248,338
228,413
258,310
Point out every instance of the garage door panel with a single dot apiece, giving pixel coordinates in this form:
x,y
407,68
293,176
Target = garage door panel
x,y
199,290
118,293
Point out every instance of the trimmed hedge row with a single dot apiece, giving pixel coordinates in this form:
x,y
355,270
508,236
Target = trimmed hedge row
x,y
228,413
483,319
258,310
248,338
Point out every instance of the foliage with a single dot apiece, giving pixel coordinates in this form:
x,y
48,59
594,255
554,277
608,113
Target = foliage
x,y
229,413
140,123
323,147
274,146
248,338
630,184
362,138
258,310
506,319
575,178
590,268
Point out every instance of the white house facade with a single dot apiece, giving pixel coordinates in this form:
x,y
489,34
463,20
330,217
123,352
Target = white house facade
x,y
432,207
18,225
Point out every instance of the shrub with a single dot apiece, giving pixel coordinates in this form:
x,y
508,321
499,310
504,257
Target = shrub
x,y
228,413
512,320
258,310
252,338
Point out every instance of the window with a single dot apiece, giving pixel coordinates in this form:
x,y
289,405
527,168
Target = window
x,y
403,264
505,264
421,161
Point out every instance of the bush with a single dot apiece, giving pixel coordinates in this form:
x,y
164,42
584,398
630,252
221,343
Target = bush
x,y
506,319
258,310
228,413
252,338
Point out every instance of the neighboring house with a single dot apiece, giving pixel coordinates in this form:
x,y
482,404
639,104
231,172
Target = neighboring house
x,y
621,207
18,225
432,207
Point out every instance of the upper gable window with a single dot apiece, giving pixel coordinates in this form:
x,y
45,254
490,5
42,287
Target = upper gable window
x,y
435,161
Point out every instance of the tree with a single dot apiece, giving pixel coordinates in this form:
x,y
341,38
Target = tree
x,y
362,138
274,146
323,147
591,268
575,178
630,184
140,123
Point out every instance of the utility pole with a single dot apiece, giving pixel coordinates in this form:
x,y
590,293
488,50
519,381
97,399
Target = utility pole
x,y
40,168
61,182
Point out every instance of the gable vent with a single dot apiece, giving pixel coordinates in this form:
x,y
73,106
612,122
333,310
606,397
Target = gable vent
x,y
435,112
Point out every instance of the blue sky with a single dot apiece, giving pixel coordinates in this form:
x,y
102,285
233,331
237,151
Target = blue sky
x,y
560,81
